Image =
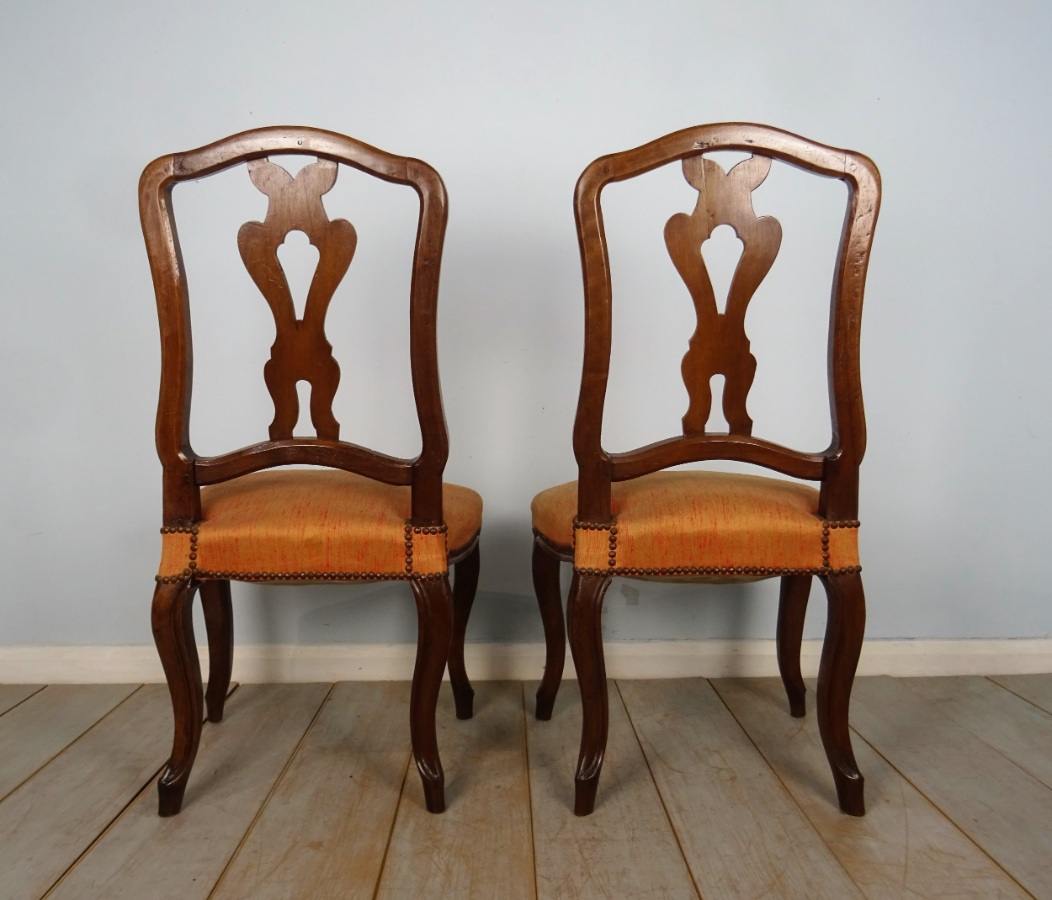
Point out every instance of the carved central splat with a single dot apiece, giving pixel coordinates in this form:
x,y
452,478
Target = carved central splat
x,y
719,345
301,351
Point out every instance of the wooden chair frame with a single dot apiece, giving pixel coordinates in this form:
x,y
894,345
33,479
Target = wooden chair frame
x,y
836,469
442,612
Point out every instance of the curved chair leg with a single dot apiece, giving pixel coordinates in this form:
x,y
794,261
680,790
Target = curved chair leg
x,y
435,616
840,652
549,598
792,606
173,633
219,624
465,583
584,613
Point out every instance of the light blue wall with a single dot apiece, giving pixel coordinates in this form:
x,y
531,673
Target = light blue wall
x,y
509,102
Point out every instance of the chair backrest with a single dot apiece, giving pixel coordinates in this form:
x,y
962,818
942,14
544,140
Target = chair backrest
x,y
720,345
301,351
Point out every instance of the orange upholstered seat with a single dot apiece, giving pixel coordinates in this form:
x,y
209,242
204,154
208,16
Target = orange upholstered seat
x,y
316,525
685,523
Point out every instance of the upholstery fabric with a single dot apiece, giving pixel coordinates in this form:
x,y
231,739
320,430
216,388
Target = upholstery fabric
x,y
316,525
686,523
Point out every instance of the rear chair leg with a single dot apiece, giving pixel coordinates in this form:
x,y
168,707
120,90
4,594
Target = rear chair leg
x,y
219,624
465,583
549,599
792,607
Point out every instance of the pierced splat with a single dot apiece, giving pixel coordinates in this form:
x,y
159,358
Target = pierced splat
x,y
300,352
719,345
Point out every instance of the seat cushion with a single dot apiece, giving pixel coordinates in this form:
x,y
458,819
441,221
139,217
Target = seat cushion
x,y
316,525
687,523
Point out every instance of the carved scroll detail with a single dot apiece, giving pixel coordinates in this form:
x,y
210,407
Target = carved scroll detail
x,y
719,345
300,352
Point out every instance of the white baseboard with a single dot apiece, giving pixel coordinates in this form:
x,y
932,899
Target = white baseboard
x,y
255,663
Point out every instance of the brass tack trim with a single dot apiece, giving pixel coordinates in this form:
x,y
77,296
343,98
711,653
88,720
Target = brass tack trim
x,y
309,576
595,526
692,571
191,570
827,526
410,530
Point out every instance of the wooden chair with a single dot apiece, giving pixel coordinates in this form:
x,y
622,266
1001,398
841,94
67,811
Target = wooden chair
x,y
627,517
358,516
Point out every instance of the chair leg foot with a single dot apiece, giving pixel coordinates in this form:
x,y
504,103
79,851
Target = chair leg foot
x,y
465,703
850,793
584,795
549,599
545,707
170,794
434,793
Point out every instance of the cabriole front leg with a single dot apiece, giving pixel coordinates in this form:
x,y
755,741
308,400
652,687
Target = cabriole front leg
x,y
173,633
434,606
584,615
836,674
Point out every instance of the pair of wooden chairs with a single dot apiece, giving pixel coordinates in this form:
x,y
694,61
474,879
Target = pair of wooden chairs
x,y
358,515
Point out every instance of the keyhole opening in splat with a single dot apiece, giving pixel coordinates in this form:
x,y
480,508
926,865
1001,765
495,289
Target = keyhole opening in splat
x,y
717,423
304,427
721,253
299,260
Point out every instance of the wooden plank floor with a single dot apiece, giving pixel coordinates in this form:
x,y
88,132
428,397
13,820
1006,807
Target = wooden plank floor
x,y
709,789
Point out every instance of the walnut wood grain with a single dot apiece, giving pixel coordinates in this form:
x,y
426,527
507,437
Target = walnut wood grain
x,y
720,346
301,352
